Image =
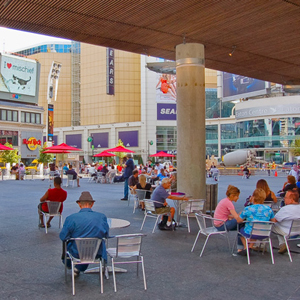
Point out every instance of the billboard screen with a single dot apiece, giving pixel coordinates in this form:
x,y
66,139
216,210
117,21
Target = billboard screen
x,y
238,86
18,75
166,88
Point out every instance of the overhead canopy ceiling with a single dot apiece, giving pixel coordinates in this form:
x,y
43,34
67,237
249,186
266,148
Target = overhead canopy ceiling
x,y
264,34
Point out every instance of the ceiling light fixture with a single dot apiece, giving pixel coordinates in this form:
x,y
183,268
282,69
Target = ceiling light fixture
x,y
233,49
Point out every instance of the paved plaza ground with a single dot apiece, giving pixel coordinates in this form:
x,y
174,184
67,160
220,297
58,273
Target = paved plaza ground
x,y
31,267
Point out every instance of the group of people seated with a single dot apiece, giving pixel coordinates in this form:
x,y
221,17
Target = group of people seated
x,y
84,224
229,219
18,170
67,170
108,173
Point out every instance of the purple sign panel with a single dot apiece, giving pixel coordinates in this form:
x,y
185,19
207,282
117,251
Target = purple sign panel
x,y
100,140
74,140
166,111
129,138
54,140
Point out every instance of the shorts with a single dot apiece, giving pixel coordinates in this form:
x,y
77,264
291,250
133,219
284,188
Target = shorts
x,y
162,210
40,208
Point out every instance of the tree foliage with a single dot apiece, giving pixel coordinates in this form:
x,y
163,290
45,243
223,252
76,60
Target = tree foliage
x,y
10,156
296,147
44,157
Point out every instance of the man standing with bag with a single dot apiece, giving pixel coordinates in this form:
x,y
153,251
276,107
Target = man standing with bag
x,y
129,167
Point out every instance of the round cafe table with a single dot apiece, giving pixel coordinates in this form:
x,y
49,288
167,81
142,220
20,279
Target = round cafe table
x,y
113,223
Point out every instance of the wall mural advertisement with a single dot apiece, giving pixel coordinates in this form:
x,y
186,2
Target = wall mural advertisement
x,y
18,75
166,88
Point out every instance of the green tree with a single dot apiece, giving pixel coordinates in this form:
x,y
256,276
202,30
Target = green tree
x,y
10,156
44,158
296,147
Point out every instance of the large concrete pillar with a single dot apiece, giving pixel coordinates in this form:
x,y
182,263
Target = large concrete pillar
x,y
190,73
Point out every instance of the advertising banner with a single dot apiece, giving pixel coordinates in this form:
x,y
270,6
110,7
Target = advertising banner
x,y
74,140
238,86
18,75
100,140
50,122
166,88
166,111
129,138
110,71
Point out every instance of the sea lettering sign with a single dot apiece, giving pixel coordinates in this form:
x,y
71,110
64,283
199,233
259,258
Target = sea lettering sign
x,y
166,111
110,71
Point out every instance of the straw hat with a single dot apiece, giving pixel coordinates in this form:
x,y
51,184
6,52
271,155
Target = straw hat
x,y
85,196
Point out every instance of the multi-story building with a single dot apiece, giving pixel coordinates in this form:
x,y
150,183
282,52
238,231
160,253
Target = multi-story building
x,y
109,95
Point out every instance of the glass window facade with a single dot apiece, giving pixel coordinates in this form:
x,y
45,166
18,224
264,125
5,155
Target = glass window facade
x,y
166,138
58,48
8,115
27,117
7,136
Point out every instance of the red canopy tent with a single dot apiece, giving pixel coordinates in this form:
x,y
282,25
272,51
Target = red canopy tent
x,y
120,149
2,147
162,154
63,146
104,154
56,151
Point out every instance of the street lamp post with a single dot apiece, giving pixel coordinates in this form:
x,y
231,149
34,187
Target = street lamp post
x,y
52,78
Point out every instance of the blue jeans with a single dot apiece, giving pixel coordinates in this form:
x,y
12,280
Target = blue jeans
x,y
126,188
230,225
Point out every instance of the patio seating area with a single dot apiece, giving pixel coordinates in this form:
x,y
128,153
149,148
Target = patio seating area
x,y
172,270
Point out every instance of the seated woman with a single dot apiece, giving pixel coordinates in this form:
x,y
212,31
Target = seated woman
x,y
270,196
143,185
225,210
256,212
288,185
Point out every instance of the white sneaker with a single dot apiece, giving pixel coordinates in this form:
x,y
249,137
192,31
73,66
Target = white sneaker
x,y
298,245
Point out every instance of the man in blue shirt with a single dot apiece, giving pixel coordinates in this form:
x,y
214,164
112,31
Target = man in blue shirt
x,y
160,195
129,167
85,223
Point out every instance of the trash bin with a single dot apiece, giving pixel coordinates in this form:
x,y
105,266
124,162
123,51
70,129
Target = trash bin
x,y
211,198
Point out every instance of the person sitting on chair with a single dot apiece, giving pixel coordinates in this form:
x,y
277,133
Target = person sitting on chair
x,y
246,172
71,171
285,216
256,212
55,194
85,224
133,179
160,195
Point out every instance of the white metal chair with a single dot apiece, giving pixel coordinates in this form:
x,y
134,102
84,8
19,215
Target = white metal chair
x,y
294,234
100,177
190,207
70,180
260,232
150,212
128,246
139,197
131,194
208,230
53,211
87,250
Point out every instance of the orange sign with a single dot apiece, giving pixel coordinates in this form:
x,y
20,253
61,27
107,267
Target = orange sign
x,y
32,143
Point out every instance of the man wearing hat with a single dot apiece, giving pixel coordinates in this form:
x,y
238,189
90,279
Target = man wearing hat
x,y
85,224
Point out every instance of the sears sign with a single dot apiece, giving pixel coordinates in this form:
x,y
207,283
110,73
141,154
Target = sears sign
x,y
166,111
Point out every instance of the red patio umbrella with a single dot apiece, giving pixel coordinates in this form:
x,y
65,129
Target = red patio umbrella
x,y
162,154
63,146
56,151
104,154
2,147
120,149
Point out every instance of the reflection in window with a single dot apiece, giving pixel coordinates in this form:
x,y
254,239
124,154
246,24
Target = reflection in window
x,y
166,138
